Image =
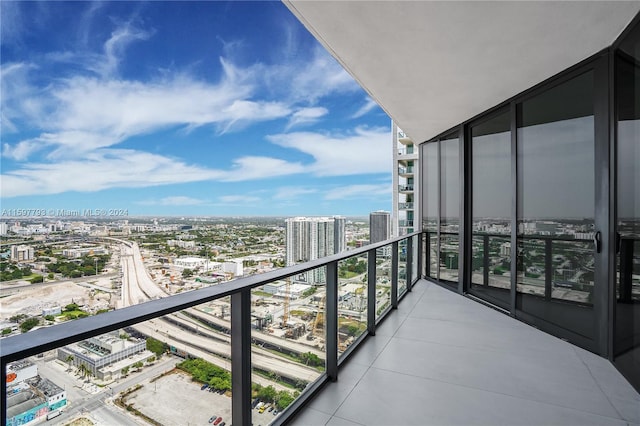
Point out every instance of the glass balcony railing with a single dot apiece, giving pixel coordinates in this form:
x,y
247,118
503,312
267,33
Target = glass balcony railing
x,y
405,206
405,170
405,188
406,150
405,223
248,351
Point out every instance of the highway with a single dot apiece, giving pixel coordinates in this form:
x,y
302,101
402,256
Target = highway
x,y
137,287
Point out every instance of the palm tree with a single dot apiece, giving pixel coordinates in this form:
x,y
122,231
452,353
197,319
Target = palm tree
x,y
69,360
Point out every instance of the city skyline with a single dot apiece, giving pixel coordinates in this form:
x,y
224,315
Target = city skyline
x,y
194,109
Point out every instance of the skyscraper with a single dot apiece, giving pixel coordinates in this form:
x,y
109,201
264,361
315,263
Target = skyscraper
x,y
405,171
379,226
310,238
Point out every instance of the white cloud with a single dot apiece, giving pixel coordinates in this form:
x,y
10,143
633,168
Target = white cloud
x,y
177,200
361,152
115,46
102,169
79,119
359,191
368,106
292,192
238,199
251,168
306,116
308,81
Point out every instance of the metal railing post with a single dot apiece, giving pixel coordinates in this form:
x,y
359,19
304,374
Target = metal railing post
x,y
485,260
332,321
3,393
548,268
241,357
371,292
420,256
394,275
409,264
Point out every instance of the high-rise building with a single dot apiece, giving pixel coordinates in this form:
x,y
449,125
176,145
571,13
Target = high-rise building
x,y
379,226
405,168
310,238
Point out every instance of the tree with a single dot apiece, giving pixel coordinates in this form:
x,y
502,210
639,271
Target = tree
x,y
69,359
187,273
156,346
6,331
284,399
124,371
50,276
36,279
29,324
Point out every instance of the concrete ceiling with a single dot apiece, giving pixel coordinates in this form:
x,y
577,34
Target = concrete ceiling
x,y
434,64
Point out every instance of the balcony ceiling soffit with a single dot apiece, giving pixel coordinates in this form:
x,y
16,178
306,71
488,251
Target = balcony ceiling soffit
x,y
434,64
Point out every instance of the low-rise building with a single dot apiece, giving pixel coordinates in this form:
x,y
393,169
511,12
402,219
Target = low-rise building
x,y
98,353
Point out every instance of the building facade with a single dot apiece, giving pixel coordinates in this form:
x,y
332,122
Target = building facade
x,y
22,253
405,181
379,226
310,238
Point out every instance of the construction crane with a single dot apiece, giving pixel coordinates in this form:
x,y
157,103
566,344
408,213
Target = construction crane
x,y
318,324
285,312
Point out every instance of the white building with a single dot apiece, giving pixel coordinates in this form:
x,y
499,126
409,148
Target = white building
x,y
78,252
310,238
22,253
4,228
192,263
405,171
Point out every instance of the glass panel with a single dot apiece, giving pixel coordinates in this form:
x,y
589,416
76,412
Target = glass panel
x,y
432,241
450,208
430,185
352,300
491,208
402,267
383,280
572,279
627,324
556,182
154,372
288,336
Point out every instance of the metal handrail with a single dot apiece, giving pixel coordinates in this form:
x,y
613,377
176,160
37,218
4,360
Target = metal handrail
x,y
34,342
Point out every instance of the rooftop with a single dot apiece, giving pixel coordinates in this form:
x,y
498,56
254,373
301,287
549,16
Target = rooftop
x,y
444,359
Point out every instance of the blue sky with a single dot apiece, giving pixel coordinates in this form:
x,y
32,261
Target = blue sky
x,y
183,108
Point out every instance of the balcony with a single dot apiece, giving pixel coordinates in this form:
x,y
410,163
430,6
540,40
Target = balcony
x,y
405,188
420,354
405,206
443,359
405,223
405,171
407,150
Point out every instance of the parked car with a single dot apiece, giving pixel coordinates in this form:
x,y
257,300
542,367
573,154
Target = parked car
x,y
212,419
218,420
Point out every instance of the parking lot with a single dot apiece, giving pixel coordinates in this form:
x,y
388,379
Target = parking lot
x,y
176,400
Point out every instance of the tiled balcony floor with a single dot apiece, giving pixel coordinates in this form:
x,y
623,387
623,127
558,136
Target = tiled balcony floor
x,y
442,359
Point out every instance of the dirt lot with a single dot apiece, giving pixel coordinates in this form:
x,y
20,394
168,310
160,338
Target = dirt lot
x,y
31,299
